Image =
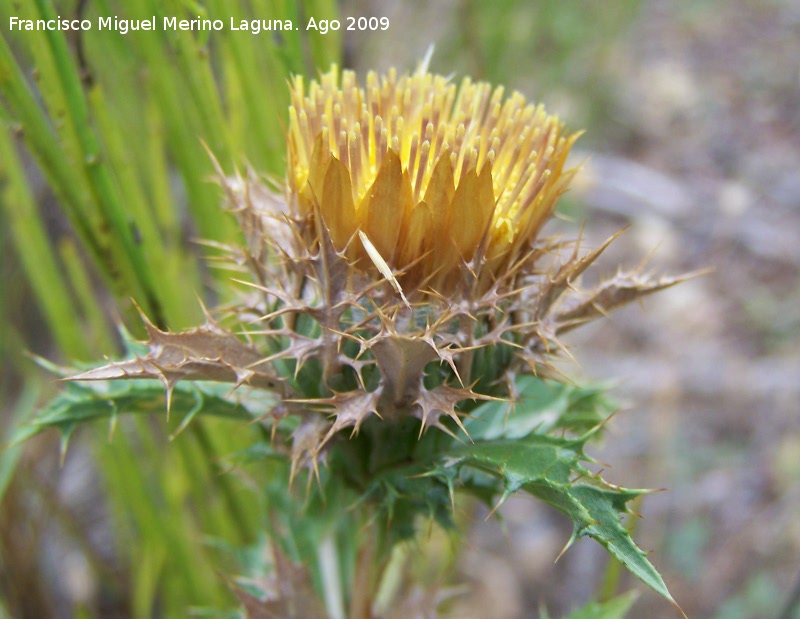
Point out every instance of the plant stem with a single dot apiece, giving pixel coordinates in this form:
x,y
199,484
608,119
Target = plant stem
x,y
391,580
328,557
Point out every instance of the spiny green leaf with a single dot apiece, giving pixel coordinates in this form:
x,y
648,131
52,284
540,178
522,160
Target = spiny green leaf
x,y
550,469
541,407
78,403
605,505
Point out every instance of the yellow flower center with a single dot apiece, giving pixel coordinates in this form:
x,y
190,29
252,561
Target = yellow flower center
x,y
433,174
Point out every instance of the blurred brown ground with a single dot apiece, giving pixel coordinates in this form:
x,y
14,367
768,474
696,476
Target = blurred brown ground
x,y
697,148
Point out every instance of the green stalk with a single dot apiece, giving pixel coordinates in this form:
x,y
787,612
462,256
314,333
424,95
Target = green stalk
x,y
130,258
155,170
102,338
325,49
392,579
23,112
184,130
252,75
290,50
328,558
165,263
36,253
192,60
152,510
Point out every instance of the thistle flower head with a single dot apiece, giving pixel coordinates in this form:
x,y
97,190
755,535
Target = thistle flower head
x,y
434,175
400,277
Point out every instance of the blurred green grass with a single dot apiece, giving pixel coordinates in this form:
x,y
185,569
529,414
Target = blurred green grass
x,y
105,181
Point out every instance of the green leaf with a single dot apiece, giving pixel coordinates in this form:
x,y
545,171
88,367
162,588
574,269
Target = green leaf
x,y
79,403
404,496
615,608
551,469
541,407
512,453
605,505
512,446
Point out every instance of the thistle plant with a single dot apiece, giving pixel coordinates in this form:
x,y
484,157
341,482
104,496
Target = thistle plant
x,y
399,313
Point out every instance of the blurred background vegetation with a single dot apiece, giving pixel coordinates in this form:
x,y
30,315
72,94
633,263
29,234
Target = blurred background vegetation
x,y
693,125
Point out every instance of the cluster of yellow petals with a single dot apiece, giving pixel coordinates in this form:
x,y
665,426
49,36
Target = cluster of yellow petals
x,y
430,172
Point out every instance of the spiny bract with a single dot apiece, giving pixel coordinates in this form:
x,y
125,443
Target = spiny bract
x,y
401,273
